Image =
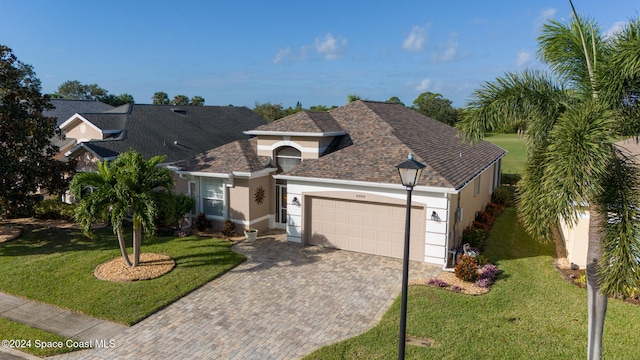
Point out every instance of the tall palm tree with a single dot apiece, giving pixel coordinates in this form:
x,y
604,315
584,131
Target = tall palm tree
x,y
130,187
575,113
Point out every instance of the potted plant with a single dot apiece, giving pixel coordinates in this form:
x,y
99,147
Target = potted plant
x,y
251,234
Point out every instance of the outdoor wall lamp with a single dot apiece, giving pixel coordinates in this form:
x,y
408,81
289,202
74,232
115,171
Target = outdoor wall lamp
x,y
295,201
435,216
410,172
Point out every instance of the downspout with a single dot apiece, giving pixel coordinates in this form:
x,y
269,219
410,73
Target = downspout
x,y
456,220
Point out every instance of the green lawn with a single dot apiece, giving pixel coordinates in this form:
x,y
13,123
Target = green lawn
x,y
516,156
530,313
56,266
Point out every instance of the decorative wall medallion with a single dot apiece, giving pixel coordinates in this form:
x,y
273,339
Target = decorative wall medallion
x,y
259,195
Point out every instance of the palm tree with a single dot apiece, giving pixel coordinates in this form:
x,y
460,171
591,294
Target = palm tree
x,y
575,113
129,188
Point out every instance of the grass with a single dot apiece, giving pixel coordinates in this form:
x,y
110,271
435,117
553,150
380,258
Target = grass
x,y
531,312
15,331
56,266
516,157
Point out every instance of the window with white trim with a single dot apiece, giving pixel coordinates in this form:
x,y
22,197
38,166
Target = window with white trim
x,y
287,158
212,191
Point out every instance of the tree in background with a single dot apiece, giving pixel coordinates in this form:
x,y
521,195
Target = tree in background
x,y
353,97
436,107
395,100
129,188
197,101
180,100
269,112
160,98
75,90
26,151
575,114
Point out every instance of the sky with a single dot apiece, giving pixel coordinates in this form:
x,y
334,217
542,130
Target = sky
x,y
237,52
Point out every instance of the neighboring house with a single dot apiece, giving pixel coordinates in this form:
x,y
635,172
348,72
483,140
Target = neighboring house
x,y
65,108
330,178
576,237
178,132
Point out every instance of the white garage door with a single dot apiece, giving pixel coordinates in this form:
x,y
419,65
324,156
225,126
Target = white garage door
x,y
368,227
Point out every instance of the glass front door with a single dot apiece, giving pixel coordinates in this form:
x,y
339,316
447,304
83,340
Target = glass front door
x,y
281,205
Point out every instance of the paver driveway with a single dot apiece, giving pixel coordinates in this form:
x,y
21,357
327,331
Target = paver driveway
x,y
285,301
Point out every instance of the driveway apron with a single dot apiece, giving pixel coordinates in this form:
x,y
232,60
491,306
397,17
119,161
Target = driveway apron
x,y
284,302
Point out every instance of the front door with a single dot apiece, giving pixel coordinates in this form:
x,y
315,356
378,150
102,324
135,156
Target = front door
x,y
281,205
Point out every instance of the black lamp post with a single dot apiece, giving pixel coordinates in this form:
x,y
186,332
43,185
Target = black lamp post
x,y
410,171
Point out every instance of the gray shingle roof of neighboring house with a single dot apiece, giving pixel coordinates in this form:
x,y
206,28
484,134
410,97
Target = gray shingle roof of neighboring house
x,y
65,108
378,137
178,132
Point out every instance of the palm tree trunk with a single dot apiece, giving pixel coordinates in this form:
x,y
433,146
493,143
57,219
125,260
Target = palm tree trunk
x,y
123,248
596,302
137,241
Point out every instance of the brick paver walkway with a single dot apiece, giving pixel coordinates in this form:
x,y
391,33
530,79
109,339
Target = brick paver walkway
x,y
285,301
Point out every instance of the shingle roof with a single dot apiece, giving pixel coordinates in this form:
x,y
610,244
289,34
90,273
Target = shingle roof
x,y
304,122
178,132
65,108
383,134
379,137
237,156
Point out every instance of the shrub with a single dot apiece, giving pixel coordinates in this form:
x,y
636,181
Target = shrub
x,y
182,233
229,228
483,217
510,179
437,282
489,271
503,195
54,209
475,237
484,282
467,268
202,223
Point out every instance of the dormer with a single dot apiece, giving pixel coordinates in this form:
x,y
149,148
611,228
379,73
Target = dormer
x,y
86,127
306,135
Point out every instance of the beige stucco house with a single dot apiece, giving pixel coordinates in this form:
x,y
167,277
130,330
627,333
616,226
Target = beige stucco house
x,y
330,179
576,236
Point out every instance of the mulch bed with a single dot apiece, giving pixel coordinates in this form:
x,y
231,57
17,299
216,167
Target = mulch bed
x,y
151,266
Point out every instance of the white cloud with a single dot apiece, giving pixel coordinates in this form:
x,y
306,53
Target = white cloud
x,y
447,52
329,47
547,14
615,28
287,55
282,55
523,58
543,16
416,39
424,85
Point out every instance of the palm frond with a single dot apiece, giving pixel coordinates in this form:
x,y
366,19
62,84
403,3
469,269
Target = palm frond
x,y
531,96
619,203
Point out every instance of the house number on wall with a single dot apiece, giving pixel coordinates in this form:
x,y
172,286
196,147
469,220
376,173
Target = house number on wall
x,y
360,196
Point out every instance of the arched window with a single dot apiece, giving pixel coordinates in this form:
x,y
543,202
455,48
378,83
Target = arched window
x,y
287,158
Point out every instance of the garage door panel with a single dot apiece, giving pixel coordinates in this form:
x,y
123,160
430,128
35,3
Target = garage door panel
x,y
372,228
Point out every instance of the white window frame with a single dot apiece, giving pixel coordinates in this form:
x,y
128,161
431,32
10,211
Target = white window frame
x,y
212,195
